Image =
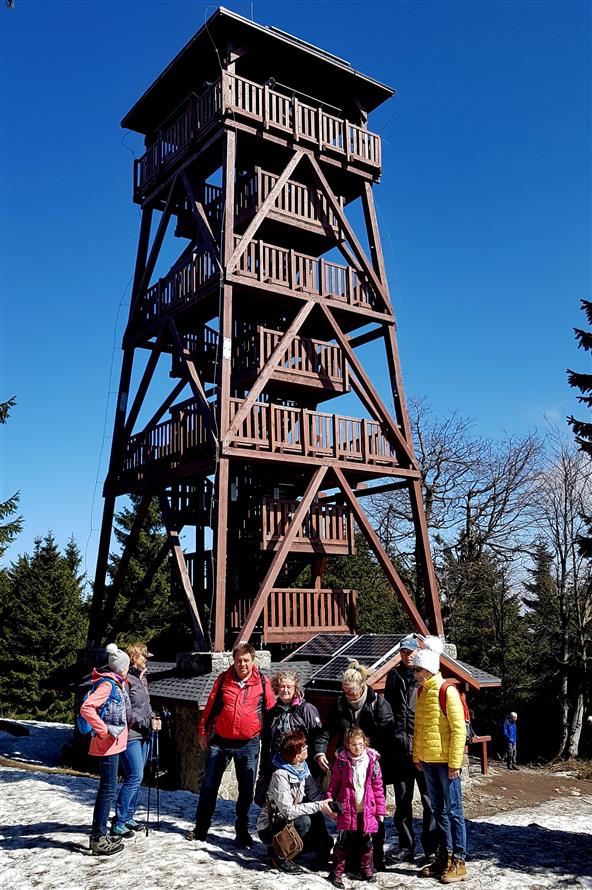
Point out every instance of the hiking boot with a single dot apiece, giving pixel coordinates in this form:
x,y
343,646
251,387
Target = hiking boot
x,y
437,868
456,871
120,831
243,839
196,834
134,826
404,855
369,879
336,880
285,865
514,767
105,846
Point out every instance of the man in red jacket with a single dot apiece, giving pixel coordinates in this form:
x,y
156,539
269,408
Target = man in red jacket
x,y
229,729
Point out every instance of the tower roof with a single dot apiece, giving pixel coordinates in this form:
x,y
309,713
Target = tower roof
x,y
272,54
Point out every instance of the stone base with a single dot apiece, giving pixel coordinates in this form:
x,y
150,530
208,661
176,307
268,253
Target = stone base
x,y
193,664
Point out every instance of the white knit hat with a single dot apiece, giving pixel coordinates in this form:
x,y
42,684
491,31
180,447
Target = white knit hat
x,y
118,660
429,658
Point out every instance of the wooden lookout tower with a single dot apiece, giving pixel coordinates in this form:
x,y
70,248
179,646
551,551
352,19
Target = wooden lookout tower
x,y
256,145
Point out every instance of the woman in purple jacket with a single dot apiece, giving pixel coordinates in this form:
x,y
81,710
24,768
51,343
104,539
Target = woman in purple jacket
x,y
356,785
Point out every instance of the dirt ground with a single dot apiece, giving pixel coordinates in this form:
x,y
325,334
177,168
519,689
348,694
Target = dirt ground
x,y
502,790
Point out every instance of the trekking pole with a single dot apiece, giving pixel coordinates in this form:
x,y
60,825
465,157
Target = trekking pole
x,y
155,734
149,781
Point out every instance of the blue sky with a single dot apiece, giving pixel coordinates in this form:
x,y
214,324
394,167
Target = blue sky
x,y
484,205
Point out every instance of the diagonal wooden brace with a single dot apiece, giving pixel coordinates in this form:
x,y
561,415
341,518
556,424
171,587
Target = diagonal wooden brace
x,y
263,210
155,249
202,222
267,371
380,553
281,553
194,380
351,236
179,561
379,407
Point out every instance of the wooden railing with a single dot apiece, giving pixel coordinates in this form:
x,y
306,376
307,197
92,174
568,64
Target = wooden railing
x,y
203,347
191,498
325,526
305,358
239,96
304,122
166,443
181,285
297,615
279,429
284,267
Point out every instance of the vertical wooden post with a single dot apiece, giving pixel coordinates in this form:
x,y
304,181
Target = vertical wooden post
x,y
224,374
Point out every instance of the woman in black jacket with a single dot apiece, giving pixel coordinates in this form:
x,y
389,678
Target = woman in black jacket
x,y
290,714
133,759
359,705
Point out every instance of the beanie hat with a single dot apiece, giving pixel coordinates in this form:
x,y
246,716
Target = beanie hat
x,y
409,642
429,658
118,660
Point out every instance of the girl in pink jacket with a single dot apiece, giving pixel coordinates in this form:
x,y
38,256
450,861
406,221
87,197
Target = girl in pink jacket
x,y
108,711
356,785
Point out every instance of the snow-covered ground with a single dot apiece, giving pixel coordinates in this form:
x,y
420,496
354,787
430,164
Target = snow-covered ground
x,y
45,820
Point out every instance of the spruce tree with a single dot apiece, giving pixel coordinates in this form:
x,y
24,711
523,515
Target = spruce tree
x,y
583,428
42,627
10,529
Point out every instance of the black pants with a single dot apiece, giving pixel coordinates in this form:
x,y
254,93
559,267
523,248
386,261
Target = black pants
x,y
403,786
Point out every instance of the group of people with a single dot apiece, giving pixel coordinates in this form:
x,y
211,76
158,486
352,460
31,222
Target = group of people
x,y
298,769
282,754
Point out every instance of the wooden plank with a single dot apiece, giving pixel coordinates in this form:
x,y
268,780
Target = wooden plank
x,y
179,561
281,553
380,553
368,337
268,369
263,209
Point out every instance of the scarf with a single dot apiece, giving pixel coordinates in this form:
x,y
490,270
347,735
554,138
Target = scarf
x,y
359,771
300,770
358,704
283,720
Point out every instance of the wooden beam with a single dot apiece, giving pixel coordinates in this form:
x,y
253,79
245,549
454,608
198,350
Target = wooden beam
x,y
373,234
380,553
179,561
268,369
155,249
143,386
96,618
351,236
368,337
201,221
367,490
424,557
139,590
178,389
379,407
125,558
263,210
220,548
194,380
281,553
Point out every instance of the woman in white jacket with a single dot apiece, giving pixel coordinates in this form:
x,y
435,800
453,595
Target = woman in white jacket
x,y
290,783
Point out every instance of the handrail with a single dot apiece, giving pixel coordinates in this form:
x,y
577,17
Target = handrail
x,y
285,267
298,613
324,523
265,105
305,357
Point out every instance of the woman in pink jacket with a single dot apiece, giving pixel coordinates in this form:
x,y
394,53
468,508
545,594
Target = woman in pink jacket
x,y
108,711
356,785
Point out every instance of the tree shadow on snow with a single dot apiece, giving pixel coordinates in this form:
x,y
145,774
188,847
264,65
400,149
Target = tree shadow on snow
x,y
39,835
530,848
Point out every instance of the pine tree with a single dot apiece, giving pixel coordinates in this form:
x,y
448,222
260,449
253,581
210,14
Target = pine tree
x,y
583,428
8,530
42,627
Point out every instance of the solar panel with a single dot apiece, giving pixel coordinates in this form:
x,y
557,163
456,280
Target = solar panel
x,y
322,646
335,668
374,646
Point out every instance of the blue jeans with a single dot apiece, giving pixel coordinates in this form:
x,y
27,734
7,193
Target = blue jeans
x,y
245,755
446,797
133,761
105,796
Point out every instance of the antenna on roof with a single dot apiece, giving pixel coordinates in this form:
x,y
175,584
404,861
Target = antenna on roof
x,y
252,11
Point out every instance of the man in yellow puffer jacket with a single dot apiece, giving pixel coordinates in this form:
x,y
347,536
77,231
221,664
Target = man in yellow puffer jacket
x,y
438,744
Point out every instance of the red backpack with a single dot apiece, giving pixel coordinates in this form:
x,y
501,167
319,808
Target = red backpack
x,y
463,701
